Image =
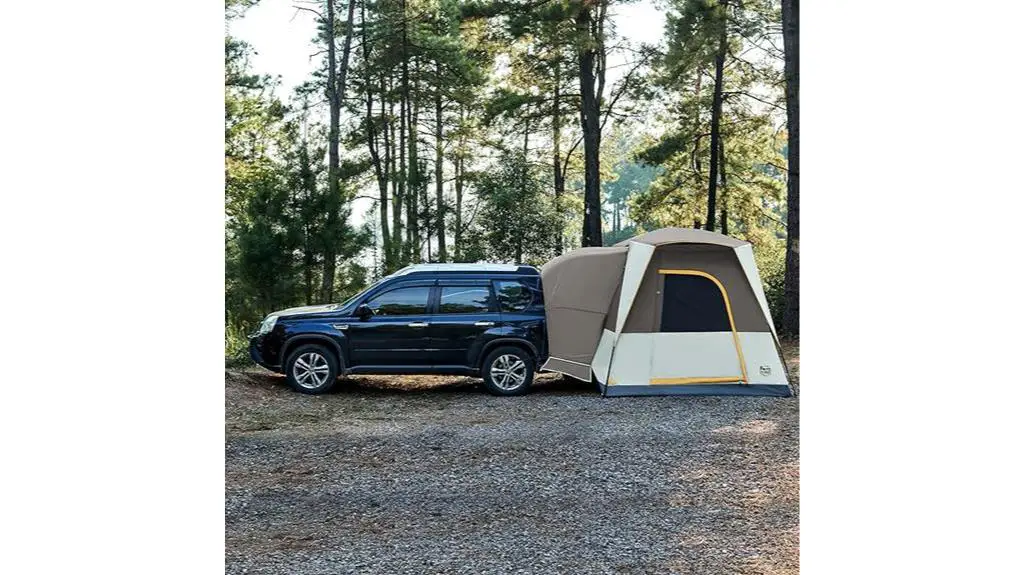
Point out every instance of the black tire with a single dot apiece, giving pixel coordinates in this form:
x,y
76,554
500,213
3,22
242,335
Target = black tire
x,y
308,381
509,385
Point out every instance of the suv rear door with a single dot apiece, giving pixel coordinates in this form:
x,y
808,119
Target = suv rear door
x,y
521,303
465,309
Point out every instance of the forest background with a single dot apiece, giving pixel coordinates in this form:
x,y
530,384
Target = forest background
x,y
505,131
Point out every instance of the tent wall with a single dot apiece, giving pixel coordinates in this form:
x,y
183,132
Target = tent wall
x,y
685,358
578,291
637,263
719,261
603,356
745,254
764,366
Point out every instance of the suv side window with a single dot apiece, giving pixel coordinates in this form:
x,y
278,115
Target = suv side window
x,y
465,299
513,295
401,301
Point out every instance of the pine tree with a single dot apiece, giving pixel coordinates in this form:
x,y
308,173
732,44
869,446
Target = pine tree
x,y
791,40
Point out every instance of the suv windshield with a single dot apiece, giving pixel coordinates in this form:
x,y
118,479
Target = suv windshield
x,y
352,299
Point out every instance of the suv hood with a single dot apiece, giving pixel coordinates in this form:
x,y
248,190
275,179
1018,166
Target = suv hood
x,y
306,310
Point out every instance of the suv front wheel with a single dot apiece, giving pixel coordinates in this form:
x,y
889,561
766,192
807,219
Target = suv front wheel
x,y
311,369
507,371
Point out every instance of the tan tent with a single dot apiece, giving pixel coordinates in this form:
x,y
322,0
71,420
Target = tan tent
x,y
675,311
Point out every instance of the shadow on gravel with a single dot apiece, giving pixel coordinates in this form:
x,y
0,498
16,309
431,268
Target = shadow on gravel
x,y
407,384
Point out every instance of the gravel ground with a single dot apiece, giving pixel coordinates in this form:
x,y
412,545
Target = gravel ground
x,y
431,475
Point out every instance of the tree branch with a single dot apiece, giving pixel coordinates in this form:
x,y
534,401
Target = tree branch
x,y
749,95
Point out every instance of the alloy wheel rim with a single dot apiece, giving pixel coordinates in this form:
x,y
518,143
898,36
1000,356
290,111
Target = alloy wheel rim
x,y
311,370
508,372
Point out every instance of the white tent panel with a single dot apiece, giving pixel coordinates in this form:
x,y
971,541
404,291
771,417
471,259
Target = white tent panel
x,y
631,361
762,359
694,355
637,259
602,356
746,256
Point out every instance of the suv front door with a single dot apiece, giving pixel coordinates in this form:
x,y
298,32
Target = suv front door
x,y
397,332
465,310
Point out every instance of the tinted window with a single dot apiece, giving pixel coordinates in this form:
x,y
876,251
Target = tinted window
x,y
513,295
693,303
465,299
402,301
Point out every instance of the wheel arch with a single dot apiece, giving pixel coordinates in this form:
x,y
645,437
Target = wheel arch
x,y
511,342
331,344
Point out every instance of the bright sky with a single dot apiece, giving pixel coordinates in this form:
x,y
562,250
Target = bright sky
x,y
282,37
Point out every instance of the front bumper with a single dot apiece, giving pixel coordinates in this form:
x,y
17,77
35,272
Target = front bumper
x,y
255,343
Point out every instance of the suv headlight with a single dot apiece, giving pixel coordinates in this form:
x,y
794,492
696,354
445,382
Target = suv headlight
x,y
267,325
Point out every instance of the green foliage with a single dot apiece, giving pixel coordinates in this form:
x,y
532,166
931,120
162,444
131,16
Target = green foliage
x,y
771,264
464,108
517,217
236,343
265,265
275,202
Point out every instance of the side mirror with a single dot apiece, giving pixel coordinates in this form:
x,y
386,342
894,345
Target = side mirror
x,y
363,312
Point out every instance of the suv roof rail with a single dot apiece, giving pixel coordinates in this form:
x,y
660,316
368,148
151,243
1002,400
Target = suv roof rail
x,y
520,269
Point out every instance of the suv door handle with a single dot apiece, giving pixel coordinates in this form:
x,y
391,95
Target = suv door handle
x,y
484,323
419,324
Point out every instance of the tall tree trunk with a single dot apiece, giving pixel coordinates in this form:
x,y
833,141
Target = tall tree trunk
x,y
403,171
556,137
308,241
373,144
442,249
336,79
333,161
525,182
590,123
427,225
307,272
725,188
791,44
695,154
458,184
397,159
716,119
413,213
405,167
389,169
458,208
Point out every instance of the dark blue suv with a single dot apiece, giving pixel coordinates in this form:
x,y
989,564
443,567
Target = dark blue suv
x,y
482,320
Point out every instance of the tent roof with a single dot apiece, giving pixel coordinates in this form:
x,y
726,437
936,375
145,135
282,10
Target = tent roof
x,y
683,236
583,279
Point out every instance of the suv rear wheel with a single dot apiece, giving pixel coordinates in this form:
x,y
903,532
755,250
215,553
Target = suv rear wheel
x,y
508,371
312,369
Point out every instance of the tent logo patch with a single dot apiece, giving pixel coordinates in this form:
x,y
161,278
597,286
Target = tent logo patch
x,y
766,371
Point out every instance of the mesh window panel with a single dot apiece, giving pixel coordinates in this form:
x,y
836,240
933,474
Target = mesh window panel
x,y
692,304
